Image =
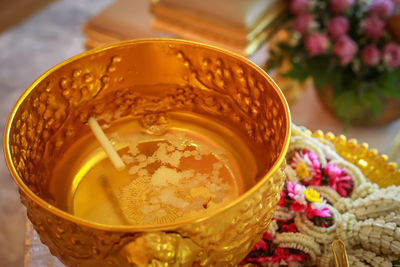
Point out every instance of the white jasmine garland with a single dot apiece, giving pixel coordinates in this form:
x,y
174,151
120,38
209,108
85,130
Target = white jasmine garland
x,y
371,258
272,228
299,143
303,242
291,174
284,214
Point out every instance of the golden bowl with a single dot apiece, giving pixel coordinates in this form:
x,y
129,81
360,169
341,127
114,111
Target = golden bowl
x,y
52,115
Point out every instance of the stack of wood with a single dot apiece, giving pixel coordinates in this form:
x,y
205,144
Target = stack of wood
x,y
241,26
122,20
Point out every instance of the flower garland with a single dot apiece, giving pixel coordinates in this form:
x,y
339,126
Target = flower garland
x,y
310,171
326,198
268,251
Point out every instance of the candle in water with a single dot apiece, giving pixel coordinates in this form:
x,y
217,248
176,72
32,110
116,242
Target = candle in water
x,y
192,167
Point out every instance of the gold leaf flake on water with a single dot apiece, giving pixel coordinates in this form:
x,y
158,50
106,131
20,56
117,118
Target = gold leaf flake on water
x,y
162,190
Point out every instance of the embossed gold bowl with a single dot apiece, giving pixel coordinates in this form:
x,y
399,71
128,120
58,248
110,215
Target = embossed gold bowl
x,y
52,114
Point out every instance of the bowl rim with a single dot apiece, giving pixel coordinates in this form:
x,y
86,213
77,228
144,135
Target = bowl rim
x,y
142,228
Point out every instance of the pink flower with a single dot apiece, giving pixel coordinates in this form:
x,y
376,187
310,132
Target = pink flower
x,y
345,49
307,166
316,44
302,22
291,228
381,8
396,3
317,209
298,6
338,26
340,6
293,188
333,171
370,55
338,179
296,191
373,27
261,245
391,55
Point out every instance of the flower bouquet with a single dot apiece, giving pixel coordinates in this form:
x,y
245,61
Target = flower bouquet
x,y
345,47
323,199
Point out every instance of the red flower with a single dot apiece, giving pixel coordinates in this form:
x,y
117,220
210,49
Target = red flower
x,y
317,179
282,200
289,228
259,259
261,245
284,254
297,207
267,236
280,254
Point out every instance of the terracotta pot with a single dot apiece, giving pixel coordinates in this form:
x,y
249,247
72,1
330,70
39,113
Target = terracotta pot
x,y
390,111
393,26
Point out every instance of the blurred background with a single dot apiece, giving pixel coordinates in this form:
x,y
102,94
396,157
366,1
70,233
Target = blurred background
x,y
278,35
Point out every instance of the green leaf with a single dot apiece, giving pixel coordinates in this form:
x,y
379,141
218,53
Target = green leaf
x,y
372,102
319,68
350,106
336,81
388,84
346,106
297,72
